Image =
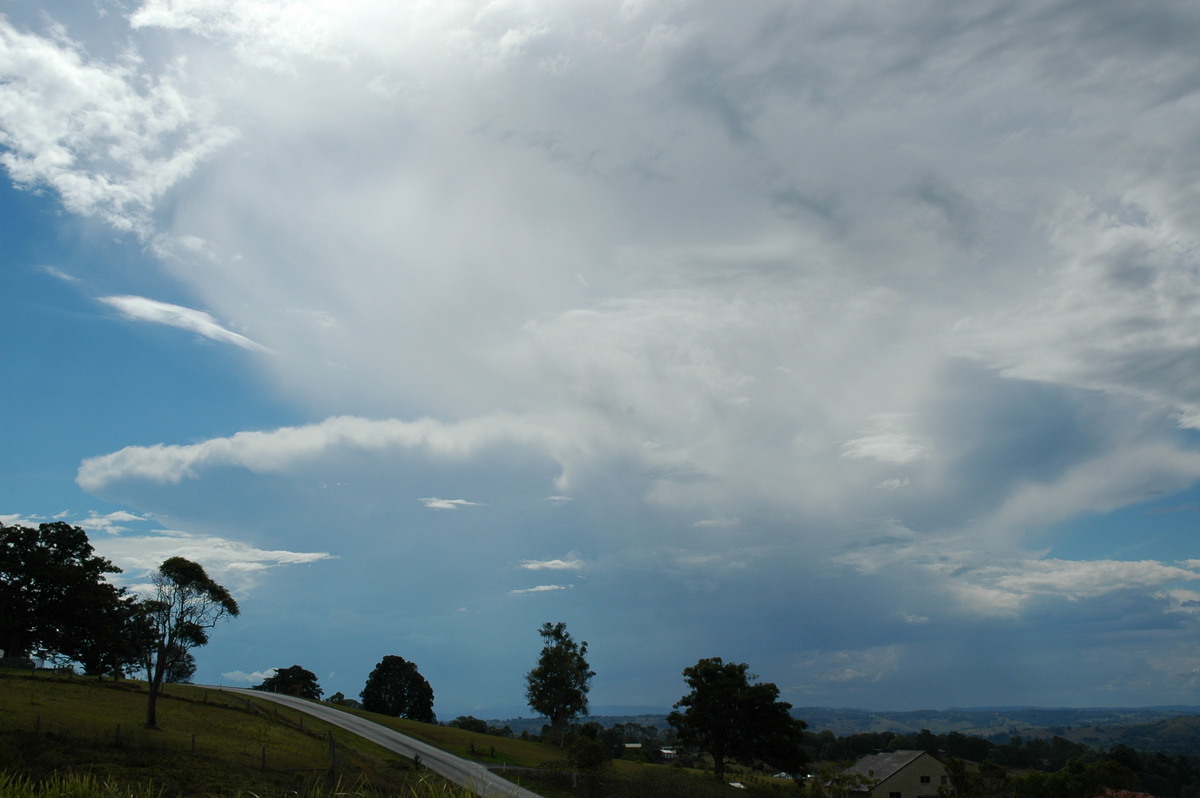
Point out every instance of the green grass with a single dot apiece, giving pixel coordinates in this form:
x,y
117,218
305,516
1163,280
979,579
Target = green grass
x,y
63,736
208,742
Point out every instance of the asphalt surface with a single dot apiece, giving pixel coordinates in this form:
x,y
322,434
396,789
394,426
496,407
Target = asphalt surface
x,y
463,772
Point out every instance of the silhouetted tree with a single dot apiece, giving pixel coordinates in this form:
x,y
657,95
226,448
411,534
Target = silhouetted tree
x,y
292,681
396,688
730,718
55,596
469,723
558,686
185,605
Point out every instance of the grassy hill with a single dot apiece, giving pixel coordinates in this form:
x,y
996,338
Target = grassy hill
x,y
209,742
213,743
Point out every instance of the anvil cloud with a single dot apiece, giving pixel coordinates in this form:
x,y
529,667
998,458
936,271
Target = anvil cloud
x,y
858,342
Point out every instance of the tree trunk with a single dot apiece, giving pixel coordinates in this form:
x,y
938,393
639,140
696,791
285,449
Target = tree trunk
x,y
151,705
155,685
719,765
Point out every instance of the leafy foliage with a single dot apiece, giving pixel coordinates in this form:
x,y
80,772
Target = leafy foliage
x,y
186,604
56,598
295,681
558,686
396,688
729,717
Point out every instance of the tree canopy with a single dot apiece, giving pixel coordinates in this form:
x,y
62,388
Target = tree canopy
x,y
396,688
56,597
732,718
292,681
558,686
186,604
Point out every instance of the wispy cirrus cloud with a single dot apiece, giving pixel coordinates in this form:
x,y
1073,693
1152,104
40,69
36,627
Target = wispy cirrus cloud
x,y
240,566
113,523
539,589
570,563
197,321
435,503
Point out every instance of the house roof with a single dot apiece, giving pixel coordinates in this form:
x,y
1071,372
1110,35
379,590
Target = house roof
x,y
883,766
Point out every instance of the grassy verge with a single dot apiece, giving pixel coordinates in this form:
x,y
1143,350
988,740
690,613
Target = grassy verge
x,y
207,743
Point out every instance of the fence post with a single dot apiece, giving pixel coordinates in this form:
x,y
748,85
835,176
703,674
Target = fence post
x,y
332,759
263,763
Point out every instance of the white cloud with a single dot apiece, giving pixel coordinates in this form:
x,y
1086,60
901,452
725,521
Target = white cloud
x,y
15,519
1182,601
572,563
539,589
110,138
906,286
197,321
718,523
112,523
239,566
434,503
255,677
58,274
278,450
1083,579
886,441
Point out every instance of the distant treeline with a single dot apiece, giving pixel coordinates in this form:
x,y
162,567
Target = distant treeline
x,y
1055,764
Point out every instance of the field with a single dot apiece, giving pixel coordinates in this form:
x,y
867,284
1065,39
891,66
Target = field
x,y
207,743
65,735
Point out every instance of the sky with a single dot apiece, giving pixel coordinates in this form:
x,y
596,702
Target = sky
x,y
856,341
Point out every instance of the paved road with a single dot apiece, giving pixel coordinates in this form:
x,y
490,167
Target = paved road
x,y
461,771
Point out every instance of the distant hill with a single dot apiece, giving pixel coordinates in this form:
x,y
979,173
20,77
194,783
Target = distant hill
x,y
985,721
1170,730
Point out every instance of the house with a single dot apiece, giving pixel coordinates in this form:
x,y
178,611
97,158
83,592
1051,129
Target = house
x,y
896,774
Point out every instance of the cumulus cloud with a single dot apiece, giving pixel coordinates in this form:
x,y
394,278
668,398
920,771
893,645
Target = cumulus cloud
x,y
109,138
254,677
197,321
857,286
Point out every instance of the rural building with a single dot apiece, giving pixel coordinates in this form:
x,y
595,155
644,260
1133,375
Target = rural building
x,y
897,774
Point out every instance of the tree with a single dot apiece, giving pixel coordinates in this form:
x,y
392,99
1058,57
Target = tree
x,y
469,723
55,595
730,718
181,668
339,699
102,632
396,688
292,681
557,688
186,603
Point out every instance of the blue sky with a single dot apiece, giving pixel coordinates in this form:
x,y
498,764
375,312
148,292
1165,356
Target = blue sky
x,y
860,343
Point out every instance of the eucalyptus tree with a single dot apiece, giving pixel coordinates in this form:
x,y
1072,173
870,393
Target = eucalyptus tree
x,y
558,686
185,604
